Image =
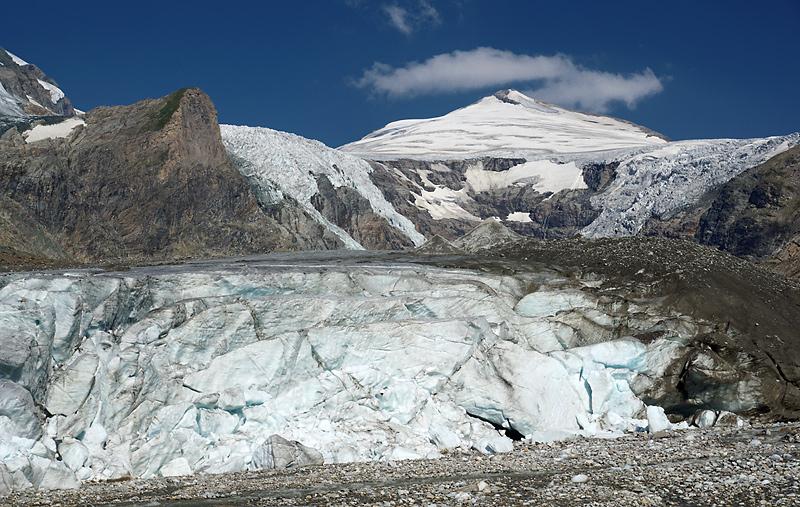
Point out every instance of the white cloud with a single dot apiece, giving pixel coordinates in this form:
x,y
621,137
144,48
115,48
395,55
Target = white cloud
x,y
412,15
427,12
555,79
398,18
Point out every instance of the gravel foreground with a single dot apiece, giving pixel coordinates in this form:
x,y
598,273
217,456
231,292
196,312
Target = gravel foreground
x,y
758,465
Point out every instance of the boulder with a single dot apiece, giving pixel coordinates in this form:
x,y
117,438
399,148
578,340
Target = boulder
x,y
277,452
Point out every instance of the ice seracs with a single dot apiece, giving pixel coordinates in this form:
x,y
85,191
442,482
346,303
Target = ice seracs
x,y
655,182
505,124
219,367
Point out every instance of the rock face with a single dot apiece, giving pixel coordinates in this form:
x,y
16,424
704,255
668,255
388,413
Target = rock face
x,y
352,212
787,259
488,235
334,188
754,215
284,361
437,245
27,91
142,182
757,213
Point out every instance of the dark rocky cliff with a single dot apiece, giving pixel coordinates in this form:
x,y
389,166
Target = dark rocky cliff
x,y
142,182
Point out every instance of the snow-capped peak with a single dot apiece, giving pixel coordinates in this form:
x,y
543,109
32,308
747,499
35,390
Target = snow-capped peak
x,y
27,91
19,61
505,124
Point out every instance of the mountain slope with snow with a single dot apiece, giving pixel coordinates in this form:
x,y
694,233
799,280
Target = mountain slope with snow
x,y
279,163
546,171
506,124
657,182
27,91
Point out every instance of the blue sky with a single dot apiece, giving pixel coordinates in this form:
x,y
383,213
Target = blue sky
x,y
689,69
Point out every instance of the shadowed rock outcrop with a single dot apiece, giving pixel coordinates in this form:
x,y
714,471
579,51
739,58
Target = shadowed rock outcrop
x,y
346,208
758,212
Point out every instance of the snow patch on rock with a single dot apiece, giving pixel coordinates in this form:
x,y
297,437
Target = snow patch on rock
x,y
55,92
543,175
519,216
19,61
54,131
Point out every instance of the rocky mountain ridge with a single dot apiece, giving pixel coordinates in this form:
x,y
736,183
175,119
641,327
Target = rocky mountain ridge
x,y
150,181
542,170
310,196
25,90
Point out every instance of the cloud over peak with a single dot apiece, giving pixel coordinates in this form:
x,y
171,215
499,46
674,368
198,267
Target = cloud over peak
x,y
554,78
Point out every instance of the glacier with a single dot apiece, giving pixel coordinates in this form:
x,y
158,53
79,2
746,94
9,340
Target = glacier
x,y
278,163
222,366
659,181
551,147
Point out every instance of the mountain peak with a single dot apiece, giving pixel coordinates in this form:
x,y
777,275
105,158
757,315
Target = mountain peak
x,y
512,96
506,124
517,98
488,234
25,90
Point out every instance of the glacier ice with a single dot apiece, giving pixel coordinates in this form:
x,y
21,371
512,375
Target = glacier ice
x,y
225,366
269,158
657,420
659,181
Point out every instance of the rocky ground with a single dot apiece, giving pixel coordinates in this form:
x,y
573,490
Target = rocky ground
x,y
758,465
